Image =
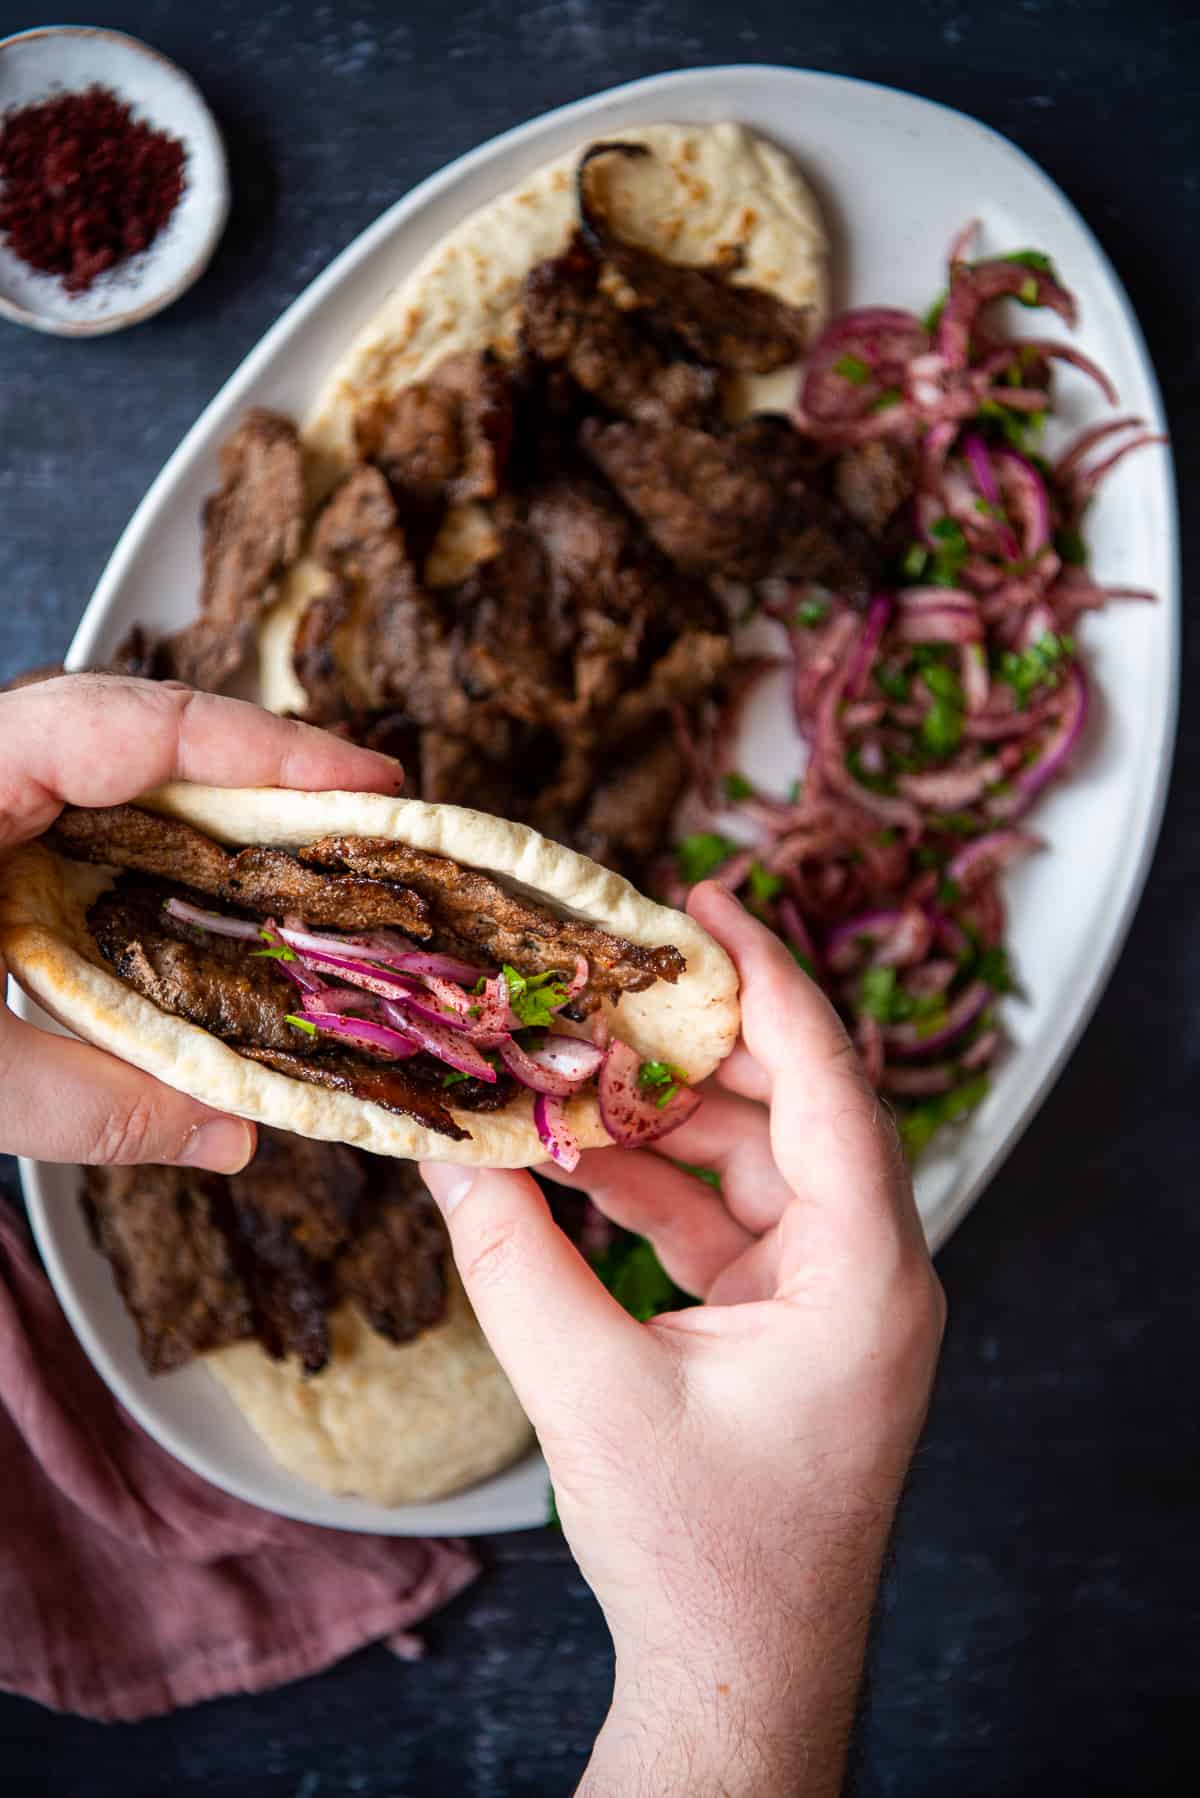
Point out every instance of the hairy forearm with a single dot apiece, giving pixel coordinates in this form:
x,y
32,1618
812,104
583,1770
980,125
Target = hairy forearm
x,y
745,1718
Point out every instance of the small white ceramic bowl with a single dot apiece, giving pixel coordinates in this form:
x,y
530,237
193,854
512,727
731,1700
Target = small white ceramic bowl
x,y
36,65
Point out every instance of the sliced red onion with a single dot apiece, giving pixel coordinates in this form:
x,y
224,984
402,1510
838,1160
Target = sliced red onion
x,y
950,789
981,1050
795,929
1051,351
953,624
241,929
1026,500
878,613
976,682
1060,742
884,340
373,977
1086,480
974,287
850,944
931,977
918,1083
935,599
906,1040
555,1134
828,763
450,1046
1087,440
987,855
343,1000
559,1067
364,1032
631,1112
976,452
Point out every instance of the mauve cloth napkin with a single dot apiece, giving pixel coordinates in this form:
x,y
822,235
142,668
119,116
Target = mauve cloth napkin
x,y
129,1585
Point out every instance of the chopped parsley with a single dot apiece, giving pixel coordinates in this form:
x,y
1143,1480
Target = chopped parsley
x,y
1038,666
457,1074
947,559
891,680
697,856
995,970
764,886
737,786
933,317
301,1024
920,1123
662,1077
1021,430
852,368
891,397
794,792
1036,259
709,1175
948,892
534,998
277,949
1071,548
942,727
882,997
811,612
915,562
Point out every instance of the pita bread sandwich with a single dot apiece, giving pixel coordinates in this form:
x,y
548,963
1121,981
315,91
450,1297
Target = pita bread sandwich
x,y
417,980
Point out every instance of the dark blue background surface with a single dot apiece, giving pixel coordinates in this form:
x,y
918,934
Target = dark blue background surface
x,y
1041,1618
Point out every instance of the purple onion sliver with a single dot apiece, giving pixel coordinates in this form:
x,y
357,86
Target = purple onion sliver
x,y
555,1134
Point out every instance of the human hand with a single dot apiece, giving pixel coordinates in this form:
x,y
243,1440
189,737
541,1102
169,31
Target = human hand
x,y
88,739
727,1475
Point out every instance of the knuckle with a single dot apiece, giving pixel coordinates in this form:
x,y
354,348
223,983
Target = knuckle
x,y
127,1136
494,1254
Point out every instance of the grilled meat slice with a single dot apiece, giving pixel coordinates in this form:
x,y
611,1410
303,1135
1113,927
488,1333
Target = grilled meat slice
x,y
568,320
739,328
475,911
267,881
731,505
396,1088
213,984
627,818
444,439
872,481
394,1267
253,530
165,1232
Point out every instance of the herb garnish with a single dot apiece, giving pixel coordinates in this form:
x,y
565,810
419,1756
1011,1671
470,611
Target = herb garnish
x,y
663,1077
534,998
308,1028
852,368
696,856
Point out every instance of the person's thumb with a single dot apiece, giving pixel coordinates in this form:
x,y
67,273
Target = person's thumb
x,y
551,1325
65,1101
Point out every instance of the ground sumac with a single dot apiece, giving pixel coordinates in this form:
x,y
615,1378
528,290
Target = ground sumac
x,y
84,184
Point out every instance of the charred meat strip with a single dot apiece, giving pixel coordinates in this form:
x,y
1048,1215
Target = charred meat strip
x,y
165,1232
215,984
212,983
740,328
267,881
394,1267
396,1088
404,654
734,505
471,909
445,439
253,530
202,1262
568,320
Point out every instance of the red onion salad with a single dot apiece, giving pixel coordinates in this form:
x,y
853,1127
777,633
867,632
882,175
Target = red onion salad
x,y
936,715
380,994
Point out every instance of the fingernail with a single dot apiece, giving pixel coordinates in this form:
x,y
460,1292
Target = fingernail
x,y
449,1185
224,1146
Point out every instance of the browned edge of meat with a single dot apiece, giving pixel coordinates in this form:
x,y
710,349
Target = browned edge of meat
x,y
202,1262
267,881
253,531
740,328
479,913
